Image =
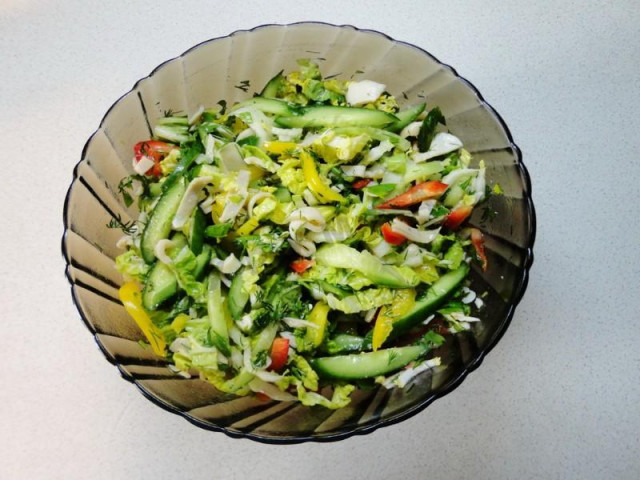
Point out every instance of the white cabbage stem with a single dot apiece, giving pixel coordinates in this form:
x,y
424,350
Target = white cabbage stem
x,y
413,234
189,201
160,251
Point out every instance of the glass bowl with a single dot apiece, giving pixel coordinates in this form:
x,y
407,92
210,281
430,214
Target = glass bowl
x,y
222,68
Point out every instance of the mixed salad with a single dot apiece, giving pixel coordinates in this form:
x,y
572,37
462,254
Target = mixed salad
x,y
311,236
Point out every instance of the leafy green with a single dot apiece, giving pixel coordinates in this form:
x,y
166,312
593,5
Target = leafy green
x,y
131,263
340,256
339,399
454,255
303,372
184,266
284,299
428,128
218,231
380,191
188,153
309,69
337,276
361,301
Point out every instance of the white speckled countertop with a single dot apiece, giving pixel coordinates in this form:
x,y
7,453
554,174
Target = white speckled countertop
x,y
558,396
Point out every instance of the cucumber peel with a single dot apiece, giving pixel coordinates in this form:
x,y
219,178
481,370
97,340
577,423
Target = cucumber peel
x,y
335,116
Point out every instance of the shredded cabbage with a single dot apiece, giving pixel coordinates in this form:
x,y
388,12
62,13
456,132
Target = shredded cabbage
x,y
280,250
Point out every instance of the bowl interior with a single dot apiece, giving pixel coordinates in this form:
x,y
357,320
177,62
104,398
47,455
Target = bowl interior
x,y
216,70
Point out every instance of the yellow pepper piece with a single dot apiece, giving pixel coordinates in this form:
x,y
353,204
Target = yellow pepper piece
x,y
319,317
248,226
278,216
278,148
216,209
427,273
403,302
180,322
131,299
255,173
315,183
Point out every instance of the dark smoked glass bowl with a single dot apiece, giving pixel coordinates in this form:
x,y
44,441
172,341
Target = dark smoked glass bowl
x,y
213,70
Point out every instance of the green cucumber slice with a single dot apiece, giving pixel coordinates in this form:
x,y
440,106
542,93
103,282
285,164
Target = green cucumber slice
x,y
435,296
238,296
196,231
369,364
217,320
405,117
266,105
333,116
161,285
270,90
159,223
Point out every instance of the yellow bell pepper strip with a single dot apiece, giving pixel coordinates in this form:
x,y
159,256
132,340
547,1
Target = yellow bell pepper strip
x,y
255,173
312,177
260,211
248,226
403,302
132,300
180,322
319,317
278,148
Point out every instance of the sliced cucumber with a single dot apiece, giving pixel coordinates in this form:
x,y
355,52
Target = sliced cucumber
x,y
333,116
196,231
238,296
428,128
344,343
161,285
202,260
270,90
405,117
435,296
217,320
266,105
369,364
262,341
159,224
282,194
175,133
187,157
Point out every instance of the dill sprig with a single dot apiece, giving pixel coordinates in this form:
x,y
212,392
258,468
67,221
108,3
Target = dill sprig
x,y
127,227
244,85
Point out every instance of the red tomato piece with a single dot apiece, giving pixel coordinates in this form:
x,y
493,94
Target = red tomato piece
x,y
416,194
477,239
156,151
459,215
390,236
279,353
302,265
360,184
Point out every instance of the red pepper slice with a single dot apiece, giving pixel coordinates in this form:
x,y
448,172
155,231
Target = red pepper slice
x,y
360,184
459,215
156,151
392,237
279,353
477,239
302,265
263,397
416,194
